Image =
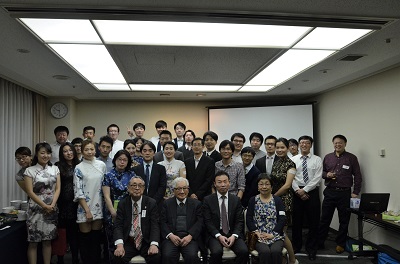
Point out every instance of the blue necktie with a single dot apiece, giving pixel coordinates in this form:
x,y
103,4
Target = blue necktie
x,y
158,146
147,177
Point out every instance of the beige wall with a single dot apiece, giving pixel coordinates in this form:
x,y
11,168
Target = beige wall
x,y
367,112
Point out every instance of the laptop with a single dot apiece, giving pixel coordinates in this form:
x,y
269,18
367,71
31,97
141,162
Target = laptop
x,y
374,203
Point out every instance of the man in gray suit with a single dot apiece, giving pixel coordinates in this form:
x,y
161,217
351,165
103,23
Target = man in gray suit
x,y
166,136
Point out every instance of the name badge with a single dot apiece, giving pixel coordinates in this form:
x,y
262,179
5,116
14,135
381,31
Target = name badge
x,y
143,213
346,167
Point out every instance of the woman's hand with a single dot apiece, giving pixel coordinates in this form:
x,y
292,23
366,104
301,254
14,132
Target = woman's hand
x,y
89,216
48,209
113,214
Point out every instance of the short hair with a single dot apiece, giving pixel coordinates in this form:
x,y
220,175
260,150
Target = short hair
x,y
293,141
77,140
166,132
38,146
119,154
220,173
198,138
305,137
129,141
248,150
240,135
225,143
256,134
23,151
178,180
264,176
87,142
61,129
181,125
283,140
89,128
212,134
191,132
106,139
171,143
161,123
137,125
148,143
112,125
137,177
340,137
136,139
270,137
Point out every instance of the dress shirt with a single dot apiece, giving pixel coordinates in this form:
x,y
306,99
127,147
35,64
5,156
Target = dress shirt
x,y
108,162
236,175
155,140
345,166
314,168
196,161
259,154
179,142
208,153
266,163
248,168
237,158
118,145
219,196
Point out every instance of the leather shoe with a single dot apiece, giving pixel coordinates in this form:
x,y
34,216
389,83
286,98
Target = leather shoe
x,y
339,249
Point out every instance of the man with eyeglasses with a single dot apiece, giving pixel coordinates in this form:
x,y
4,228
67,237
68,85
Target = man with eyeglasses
x,y
238,140
181,225
265,163
136,227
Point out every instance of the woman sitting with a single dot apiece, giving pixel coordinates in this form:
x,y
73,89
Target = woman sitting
x,y
266,217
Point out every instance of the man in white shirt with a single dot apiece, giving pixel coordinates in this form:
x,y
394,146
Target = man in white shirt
x,y
61,133
306,200
238,140
160,126
179,131
113,132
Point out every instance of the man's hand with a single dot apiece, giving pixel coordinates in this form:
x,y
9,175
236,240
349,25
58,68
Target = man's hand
x,y
119,251
175,239
186,240
231,241
194,196
224,241
353,195
153,250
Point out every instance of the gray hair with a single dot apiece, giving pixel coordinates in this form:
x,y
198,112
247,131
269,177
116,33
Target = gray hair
x,y
179,179
137,177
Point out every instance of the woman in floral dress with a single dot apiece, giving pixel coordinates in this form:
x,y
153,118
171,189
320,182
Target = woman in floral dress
x,y
174,168
115,188
42,184
88,178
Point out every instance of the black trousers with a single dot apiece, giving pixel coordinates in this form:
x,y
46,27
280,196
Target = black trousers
x,y
311,208
239,248
170,252
340,200
131,251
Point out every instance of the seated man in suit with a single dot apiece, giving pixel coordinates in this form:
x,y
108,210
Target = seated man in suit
x,y
199,171
166,136
153,174
181,225
136,227
223,218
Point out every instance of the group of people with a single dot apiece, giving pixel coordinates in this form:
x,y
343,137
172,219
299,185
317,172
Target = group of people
x,y
163,197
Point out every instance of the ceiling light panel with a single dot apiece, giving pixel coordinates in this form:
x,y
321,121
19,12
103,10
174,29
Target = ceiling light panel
x,y
112,87
256,88
198,34
92,61
288,65
63,30
331,38
184,88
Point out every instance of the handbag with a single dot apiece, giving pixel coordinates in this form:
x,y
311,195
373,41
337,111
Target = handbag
x,y
252,239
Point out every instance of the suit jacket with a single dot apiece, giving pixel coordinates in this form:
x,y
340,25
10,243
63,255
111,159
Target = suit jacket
x,y
251,188
194,217
211,214
215,155
200,178
158,181
186,153
160,157
175,140
261,163
149,223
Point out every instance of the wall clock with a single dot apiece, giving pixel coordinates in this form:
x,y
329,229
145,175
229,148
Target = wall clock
x,y
59,110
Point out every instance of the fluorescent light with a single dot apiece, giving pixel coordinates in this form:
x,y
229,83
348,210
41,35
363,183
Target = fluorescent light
x,y
112,86
198,34
184,88
92,61
331,38
256,88
63,30
288,65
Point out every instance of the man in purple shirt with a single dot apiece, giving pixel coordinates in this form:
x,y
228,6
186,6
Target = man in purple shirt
x,y
340,170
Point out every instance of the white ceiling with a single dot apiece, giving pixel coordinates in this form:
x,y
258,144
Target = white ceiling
x,y
200,65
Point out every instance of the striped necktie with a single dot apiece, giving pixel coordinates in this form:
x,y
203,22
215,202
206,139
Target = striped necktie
x,y
305,171
137,233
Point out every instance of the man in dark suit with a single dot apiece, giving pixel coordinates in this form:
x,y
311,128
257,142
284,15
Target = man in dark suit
x,y
210,141
166,136
136,227
199,171
153,174
181,225
251,174
180,129
223,218
264,164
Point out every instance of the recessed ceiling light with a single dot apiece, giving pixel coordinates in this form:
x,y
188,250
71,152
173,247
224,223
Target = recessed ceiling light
x,y
23,51
184,88
200,95
61,77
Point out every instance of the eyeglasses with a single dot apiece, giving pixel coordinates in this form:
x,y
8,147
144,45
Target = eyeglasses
x,y
122,160
181,189
136,186
264,184
21,158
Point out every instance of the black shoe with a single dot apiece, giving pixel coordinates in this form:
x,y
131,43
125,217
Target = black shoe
x,y
297,251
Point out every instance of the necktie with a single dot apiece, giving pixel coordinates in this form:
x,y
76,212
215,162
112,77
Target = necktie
x,y
137,233
224,216
181,204
196,162
158,146
147,176
305,171
269,165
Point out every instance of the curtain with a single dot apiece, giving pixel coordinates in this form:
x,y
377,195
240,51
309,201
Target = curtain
x,y
39,118
16,130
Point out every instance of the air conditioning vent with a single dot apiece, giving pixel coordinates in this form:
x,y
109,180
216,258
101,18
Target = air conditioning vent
x,y
352,57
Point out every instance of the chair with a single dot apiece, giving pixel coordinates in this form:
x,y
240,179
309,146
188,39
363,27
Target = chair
x,y
226,254
140,260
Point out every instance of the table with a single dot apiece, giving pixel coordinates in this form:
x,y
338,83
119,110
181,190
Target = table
x,y
374,219
13,244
